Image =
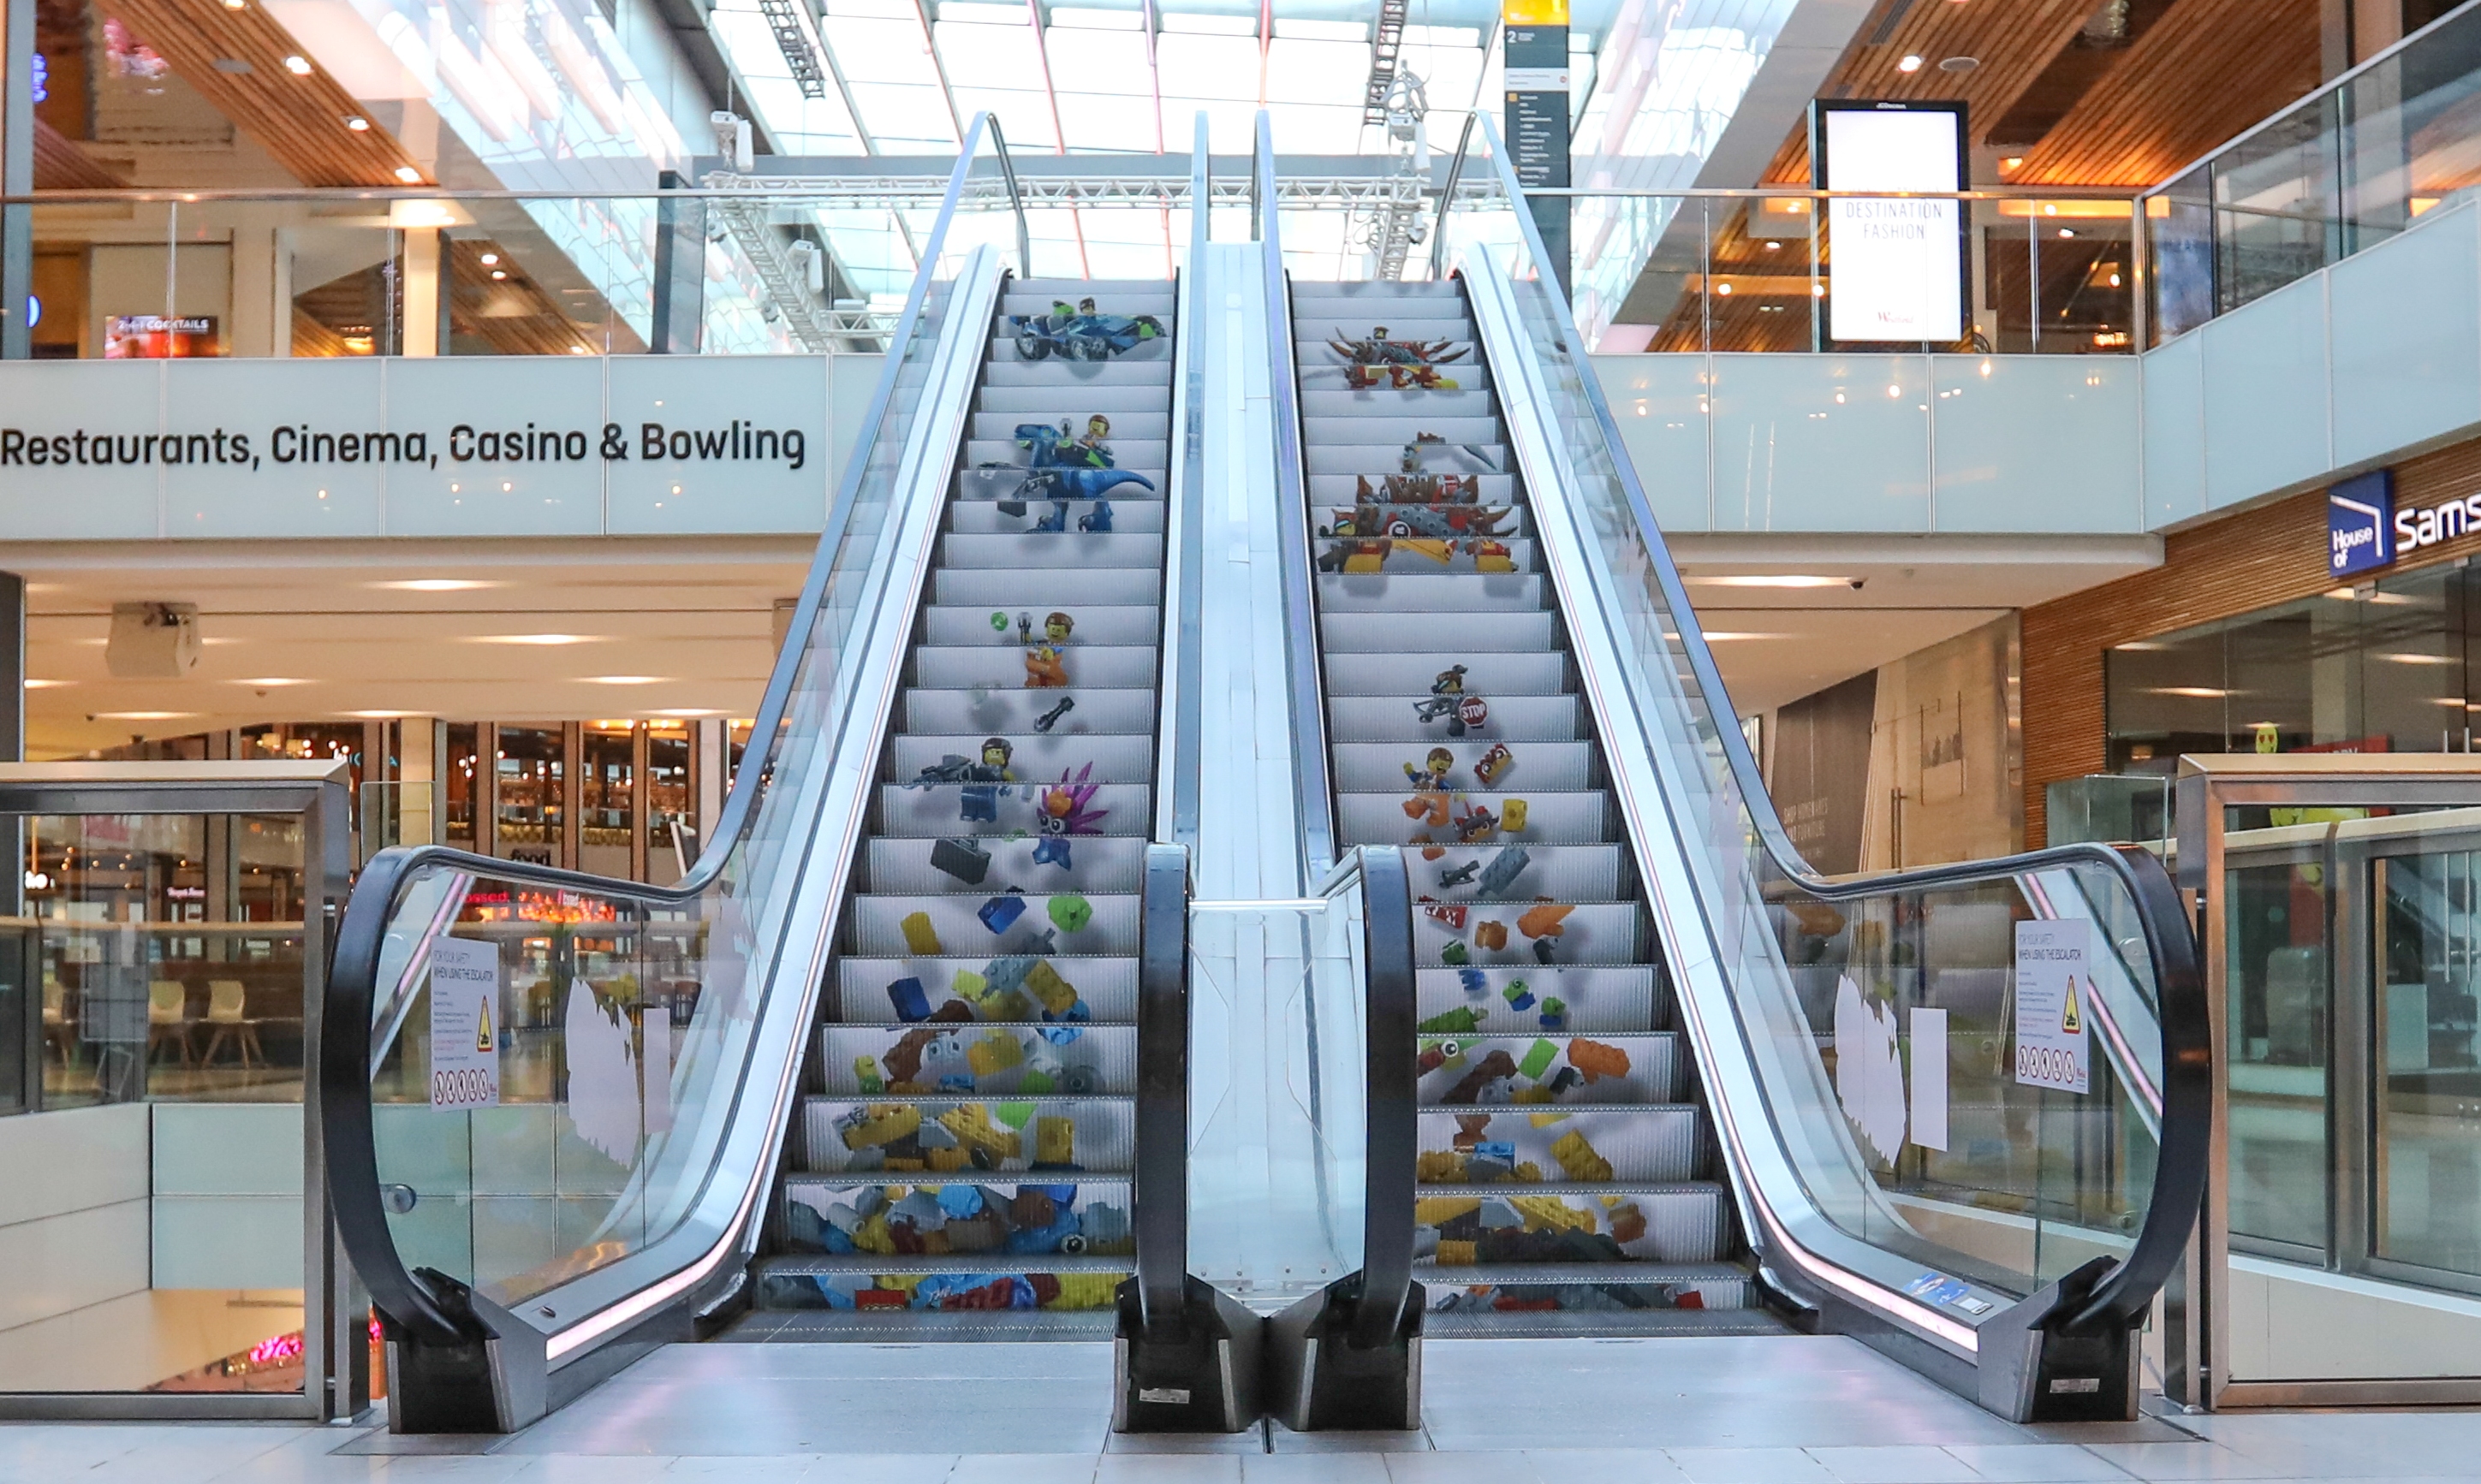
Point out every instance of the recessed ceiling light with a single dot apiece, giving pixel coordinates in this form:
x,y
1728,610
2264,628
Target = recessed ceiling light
x,y
265,681
499,272
383,716
357,123
2408,659
1781,580
490,260
409,175
534,639
689,710
138,716
1959,64
45,685
1909,64
1731,635
435,585
624,680
2197,692
2012,162
297,65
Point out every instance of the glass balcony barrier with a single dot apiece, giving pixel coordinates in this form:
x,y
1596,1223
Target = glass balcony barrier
x,y
2343,169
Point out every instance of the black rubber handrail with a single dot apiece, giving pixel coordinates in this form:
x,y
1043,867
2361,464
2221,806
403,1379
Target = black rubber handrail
x,y
1159,1191
1391,1087
2126,1292
344,1057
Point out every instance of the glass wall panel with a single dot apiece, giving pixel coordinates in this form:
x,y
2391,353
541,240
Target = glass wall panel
x,y
529,787
607,772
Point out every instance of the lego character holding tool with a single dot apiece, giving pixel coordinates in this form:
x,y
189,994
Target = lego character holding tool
x,y
1447,701
1044,666
1432,773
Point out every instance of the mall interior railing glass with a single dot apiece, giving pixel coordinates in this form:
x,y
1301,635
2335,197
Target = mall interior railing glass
x,y
553,1103
1995,1198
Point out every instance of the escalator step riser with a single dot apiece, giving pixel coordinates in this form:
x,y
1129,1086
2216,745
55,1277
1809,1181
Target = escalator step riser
x,y
998,446
1315,326
1157,351
1108,987
1053,400
1139,513
1423,408
1332,376
942,809
1532,631
1425,592
1115,759
1599,999
983,1060
1414,673
1512,1300
1510,1226
1594,932
1645,1146
1009,372
976,1217
1015,590
1566,873
1512,719
1480,453
1007,713
1107,924
1132,430
1623,1069
993,1290
1111,667
1346,488
847,1137
1549,819
1073,550
1127,623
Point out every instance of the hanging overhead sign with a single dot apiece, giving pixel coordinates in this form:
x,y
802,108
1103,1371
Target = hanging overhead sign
x,y
1895,268
1535,41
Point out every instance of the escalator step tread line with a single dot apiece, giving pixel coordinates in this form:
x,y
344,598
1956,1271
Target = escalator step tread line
x,y
963,1159
1567,1176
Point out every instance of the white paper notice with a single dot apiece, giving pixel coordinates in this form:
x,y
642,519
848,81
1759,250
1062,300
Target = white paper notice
x,y
1930,1078
655,1062
464,1024
2053,993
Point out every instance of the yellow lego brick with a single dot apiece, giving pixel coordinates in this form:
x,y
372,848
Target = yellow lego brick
x,y
1549,1214
1578,1158
1456,1254
872,1236
922,938
995,1053
1057,994
905,1165
1494,564
969,986
887,1123
1363,564
1437,550
1532,1095
901,1282
1086,1291
973,1129
1529,1173
1054,1141
1440,1210
1439,1167
1546,1120
947,1162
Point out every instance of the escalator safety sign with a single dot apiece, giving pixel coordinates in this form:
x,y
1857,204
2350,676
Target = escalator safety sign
x,y
465,1006
2054,984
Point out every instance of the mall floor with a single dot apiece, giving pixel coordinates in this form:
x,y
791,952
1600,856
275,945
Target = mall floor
x,y
1793,1409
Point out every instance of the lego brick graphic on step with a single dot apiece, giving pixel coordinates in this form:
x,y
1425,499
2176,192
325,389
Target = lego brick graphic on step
x,y
1508,1224
936,1136
1016,1061
1551,1068
1016,1218
1544,1144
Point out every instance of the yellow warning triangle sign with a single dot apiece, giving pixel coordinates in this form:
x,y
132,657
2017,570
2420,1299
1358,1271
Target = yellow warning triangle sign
x,y
482,1024
2072,1020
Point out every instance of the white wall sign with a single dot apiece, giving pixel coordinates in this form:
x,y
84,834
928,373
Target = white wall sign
x,y
435,447
1929,1077
464,1024
2053,995
1896,270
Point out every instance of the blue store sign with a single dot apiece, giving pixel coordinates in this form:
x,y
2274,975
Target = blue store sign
x,y
2359,523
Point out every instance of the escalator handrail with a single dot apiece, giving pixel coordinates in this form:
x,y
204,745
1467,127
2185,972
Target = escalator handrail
x,y
1178,788
1313,799
2127,1291
1160,1190
1390,1089
345,1054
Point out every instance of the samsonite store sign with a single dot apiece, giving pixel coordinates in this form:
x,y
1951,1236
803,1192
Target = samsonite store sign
x,y
2365,531
331,448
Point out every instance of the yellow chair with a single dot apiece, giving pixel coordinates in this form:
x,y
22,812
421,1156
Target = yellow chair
x,y
229,1019
168,1017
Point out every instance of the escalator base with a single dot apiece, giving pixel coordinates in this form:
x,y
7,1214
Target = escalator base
x,y
1647,1324
833,1326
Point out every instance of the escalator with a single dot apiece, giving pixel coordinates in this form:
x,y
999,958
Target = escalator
x,y
871,1069
962,1157
1567,1176
1660,1076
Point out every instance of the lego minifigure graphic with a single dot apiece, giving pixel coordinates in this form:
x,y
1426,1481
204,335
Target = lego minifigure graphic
x,y
1063,807
997,752
1044,666
1447,701
1432,773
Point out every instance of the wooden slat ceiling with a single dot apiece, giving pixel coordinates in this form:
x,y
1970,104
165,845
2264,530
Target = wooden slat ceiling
x,y
2204,72
298,120
2207,70
2012,40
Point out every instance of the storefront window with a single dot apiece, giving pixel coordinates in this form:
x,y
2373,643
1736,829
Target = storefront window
x,y
531,782
463,784
671,801
609,775
2384,668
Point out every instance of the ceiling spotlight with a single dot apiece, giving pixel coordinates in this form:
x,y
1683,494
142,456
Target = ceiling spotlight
x,y
499,272
297,65
2012,162
2067,231
1784,580
534,638
44,685
1959,64
490,260
409,175
1722,288
624,680
435,585
357,123
268,681
1909,64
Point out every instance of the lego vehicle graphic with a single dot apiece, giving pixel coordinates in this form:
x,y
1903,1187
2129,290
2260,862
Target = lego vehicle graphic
x,y
1080,333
